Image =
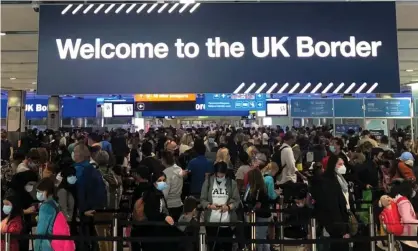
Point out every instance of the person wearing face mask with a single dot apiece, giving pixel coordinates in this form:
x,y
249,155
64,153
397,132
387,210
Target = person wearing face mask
x,y
22,185
404,168
31,162
63,156
175,176
155,209
220,196
13,222
47,212
332,206
66,193
336,148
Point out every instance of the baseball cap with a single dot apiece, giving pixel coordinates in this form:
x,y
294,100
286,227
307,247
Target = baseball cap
x,y
406,156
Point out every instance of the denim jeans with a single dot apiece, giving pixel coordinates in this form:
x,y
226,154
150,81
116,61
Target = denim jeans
x,y
261,233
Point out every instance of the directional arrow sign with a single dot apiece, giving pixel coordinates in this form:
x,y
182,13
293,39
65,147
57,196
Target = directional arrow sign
x,y
141,106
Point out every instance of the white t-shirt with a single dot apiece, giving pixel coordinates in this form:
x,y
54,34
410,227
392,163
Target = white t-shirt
x,y
219,197
288,161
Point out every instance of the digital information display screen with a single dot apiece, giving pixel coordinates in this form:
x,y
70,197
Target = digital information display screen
x,y
123,110
276,109
107,110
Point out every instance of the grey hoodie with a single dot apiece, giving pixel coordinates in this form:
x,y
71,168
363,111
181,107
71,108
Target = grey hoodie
x,y
206,197
174,186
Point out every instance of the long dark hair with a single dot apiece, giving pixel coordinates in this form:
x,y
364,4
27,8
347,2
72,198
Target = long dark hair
x,y
332,163
48,185
17,209
256,182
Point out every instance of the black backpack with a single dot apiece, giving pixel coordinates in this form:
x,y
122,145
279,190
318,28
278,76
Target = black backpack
x,y
277,157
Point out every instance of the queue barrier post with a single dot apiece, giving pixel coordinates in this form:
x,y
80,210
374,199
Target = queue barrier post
x,y
371,228
115,232
253,235
281,220
202,242
391,242
7,242
313,233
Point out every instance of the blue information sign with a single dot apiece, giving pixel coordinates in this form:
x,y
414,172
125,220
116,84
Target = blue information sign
x,y
380,108
343,128
348,108
416,107
235,102
311,108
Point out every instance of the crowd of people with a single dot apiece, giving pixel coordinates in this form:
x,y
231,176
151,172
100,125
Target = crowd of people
x,y
217,175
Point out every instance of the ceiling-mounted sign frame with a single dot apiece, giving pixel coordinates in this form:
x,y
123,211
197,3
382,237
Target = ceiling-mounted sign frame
x,y
248,48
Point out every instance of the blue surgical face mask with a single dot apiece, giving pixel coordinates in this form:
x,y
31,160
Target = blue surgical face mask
x,y
40,196
211,140
71,180
162,185
332,149
7,209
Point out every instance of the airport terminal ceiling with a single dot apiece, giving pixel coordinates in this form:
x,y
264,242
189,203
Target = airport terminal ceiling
x,y
19,47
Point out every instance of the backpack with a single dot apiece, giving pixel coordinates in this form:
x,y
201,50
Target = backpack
x,y
277,157
391,218
138,212
60,227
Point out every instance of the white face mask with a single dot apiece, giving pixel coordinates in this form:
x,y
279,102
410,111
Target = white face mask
x,y
341,170
29,188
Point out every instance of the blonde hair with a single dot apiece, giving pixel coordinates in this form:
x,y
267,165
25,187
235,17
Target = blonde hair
x,y
186,139
252,151
223,155
271,167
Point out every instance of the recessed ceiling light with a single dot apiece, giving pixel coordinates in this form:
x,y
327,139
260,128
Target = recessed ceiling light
x,y
2,34
409,70
12,78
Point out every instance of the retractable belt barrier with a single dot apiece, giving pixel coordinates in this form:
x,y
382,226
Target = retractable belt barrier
x,y
203,239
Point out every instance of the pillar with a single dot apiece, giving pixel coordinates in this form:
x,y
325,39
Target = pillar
x,y
16,120
54,113
414,91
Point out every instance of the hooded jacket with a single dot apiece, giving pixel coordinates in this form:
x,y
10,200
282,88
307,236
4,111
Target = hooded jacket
x,y
233,197
174,186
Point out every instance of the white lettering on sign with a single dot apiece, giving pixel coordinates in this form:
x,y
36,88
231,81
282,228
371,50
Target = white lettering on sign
x,y
36,108
307,48
261,47
200,107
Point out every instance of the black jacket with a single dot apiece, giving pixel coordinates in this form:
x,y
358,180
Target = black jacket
x,y
331,207
153,209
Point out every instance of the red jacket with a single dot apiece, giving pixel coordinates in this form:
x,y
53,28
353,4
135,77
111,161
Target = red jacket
x,y
405,172
14,226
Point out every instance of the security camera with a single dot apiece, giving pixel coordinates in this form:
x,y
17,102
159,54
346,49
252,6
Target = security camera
x,y
35,6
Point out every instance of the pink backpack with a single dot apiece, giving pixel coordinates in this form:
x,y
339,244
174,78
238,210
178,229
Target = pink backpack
x,y
61,227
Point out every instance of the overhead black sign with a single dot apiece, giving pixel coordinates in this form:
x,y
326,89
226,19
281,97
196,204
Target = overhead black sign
x,y
333,47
